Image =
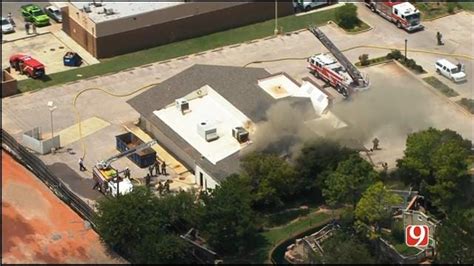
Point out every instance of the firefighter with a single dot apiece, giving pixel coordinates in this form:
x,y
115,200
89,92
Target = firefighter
x,y
156,164
459,65
163,168
439,36
167,186
150,170
147,180
127,173
81,165
160,188
375,141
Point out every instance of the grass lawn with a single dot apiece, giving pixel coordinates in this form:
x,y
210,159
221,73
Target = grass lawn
x,y
432,10
269,239
437,84
468,104
182,48
401,247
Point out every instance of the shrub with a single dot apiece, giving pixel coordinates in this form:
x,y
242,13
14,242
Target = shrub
x,y
451,7
419,69
364,60
410,63
346,16
395,54
398,232
468,104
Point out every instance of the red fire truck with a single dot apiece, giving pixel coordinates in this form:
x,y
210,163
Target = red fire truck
x,y
27,65
403,14
325,67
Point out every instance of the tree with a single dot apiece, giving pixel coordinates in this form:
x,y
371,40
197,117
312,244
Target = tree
x,y
436,161
228,219
364,59
271,178
349,180
135,224
345,249
317,159
346,16
375,205
455,238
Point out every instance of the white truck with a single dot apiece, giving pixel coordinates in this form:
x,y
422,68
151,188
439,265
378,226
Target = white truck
x,y
450,70
402,14
308,5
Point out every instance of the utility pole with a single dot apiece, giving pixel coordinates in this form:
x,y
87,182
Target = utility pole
x,y
52,107
276,18
406,49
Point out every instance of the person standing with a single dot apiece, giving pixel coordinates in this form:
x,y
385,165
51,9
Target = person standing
x,y
147,180
27,28
81,165
156,164
33,26
150,170
163,168
127,173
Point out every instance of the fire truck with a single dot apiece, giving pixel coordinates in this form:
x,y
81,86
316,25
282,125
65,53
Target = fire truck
x,y
109,180
402,14
337,71
27,65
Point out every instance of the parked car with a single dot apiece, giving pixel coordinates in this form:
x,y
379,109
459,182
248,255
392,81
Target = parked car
x,y
7,27
450,70
54,13
34,14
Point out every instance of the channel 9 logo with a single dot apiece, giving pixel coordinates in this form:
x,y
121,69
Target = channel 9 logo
x,y
417,235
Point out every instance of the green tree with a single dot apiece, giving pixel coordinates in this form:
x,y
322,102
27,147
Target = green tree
x,y
271,178
134,224
342,248
455,238
317,159
436,161
346,16
228,219
348,181
375,205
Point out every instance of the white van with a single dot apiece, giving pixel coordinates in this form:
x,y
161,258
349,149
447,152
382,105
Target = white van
x,y
450,70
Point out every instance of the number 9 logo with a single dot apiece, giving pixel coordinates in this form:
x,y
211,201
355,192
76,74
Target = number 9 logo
x,y
417,235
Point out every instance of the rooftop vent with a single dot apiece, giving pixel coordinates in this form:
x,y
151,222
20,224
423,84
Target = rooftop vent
x,y
182,105
207,130
97,4
87,8
240,134
109,11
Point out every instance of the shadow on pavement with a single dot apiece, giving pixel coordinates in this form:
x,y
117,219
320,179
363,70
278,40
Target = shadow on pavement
x,y
79,185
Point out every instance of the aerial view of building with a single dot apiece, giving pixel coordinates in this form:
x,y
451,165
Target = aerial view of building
x,y
266,132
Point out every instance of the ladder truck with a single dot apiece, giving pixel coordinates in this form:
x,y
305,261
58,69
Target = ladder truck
x,y
113,182
339,72
402,14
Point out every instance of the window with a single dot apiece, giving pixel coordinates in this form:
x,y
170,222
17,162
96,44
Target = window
x,y
201,177
396,11
205,184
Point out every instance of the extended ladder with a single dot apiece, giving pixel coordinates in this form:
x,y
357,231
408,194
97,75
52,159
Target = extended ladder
x,y
359,80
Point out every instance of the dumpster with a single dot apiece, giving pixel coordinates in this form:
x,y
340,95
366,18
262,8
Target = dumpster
x,y
72,59
143,158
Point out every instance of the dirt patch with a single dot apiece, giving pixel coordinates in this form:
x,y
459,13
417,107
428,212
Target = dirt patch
x,y
39,228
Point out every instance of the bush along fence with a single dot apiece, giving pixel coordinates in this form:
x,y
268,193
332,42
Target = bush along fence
x,y
40,170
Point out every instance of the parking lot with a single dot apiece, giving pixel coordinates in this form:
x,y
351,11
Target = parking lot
x,y
47,46
397,102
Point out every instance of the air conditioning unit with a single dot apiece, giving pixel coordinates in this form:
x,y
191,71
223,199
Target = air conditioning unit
x,y
240,134
87,9
182,105
207,131
109,11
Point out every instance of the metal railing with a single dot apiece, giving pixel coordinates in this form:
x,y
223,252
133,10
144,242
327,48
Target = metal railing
x,y
40,170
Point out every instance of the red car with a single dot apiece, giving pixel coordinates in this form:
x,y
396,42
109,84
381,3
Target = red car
x,y
27,65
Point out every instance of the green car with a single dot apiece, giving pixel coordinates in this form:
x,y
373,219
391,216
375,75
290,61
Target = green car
x,y
33,13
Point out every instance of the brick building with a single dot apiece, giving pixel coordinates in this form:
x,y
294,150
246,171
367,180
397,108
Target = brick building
x,y
107,29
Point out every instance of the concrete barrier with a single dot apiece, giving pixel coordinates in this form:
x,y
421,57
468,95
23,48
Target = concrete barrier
x,y
9,83
33,141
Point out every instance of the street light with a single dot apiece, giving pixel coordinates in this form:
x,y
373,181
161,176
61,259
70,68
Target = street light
x,y
276,18
52,107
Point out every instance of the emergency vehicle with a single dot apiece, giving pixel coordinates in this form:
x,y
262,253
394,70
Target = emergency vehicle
x,y
27,65
325,67
402,14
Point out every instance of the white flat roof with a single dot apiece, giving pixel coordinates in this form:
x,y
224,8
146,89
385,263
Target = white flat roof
x,y
210,107
122,9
